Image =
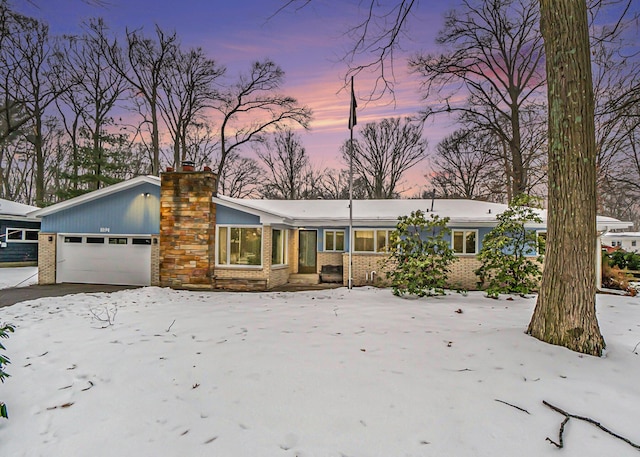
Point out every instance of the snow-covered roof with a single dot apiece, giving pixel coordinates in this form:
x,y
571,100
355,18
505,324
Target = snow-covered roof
x,y
461,212
374,212
95,195
622,235
13,210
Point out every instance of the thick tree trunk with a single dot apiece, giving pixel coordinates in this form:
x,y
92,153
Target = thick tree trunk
x,y
565,313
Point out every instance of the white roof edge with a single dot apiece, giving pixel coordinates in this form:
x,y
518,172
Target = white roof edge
x,y
240,205
84,198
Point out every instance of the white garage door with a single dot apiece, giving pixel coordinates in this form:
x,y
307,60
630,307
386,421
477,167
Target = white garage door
x,y
100,259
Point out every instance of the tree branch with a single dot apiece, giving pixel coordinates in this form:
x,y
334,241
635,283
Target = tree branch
x,y
568,416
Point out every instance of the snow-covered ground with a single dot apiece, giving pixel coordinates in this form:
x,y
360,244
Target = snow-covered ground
x,y
18,277
157,372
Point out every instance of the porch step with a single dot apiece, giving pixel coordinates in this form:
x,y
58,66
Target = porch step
x,y
304,279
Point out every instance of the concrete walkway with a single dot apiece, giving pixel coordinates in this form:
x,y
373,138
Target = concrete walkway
x,y
15,295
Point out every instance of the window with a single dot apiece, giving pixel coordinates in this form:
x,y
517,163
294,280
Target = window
x,y
542,242
95,240
278,247
239,246
22,235
371,240
633,243
465,241
334,240
117,241
141,241
73,239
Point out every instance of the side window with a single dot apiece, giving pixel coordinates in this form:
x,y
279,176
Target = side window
x,y
465,241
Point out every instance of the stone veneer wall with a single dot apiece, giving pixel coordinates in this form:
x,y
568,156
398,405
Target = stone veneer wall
x,y
187,230
47,258
155,260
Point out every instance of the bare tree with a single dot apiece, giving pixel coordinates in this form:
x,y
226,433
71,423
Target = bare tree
x,y
253,107
290,173
143,66
241,177
464,167
187,84
30,78
335,185
565,312
493,50
88,108
385,151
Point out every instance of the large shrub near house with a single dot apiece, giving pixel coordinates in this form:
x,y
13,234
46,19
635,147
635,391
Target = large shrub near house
x,y
4,360
508,254
420,257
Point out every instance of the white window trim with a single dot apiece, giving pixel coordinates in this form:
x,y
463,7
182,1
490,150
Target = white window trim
x,y
235,266
285,244
464,244
375,239
335,232
23,238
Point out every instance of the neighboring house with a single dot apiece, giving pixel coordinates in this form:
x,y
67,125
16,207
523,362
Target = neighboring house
x,y
18,234
172,231
628,241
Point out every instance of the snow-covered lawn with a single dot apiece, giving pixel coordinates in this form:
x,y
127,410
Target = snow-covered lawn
x,y
324,373
18,277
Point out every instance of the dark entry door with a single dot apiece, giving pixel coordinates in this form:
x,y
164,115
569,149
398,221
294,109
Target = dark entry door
x,y
307,243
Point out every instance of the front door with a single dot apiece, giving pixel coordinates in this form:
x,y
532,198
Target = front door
x,y
307,245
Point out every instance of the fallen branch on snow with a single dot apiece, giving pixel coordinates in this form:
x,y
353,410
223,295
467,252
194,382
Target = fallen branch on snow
x,y
568,416
513,406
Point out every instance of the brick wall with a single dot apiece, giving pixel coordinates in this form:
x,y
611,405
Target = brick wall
x,y
462,274
187,230
47,258
363,265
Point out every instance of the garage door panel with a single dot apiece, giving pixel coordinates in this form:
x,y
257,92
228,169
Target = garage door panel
x,y
103,263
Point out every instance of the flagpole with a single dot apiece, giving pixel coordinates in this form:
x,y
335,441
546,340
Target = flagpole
x,y
352,123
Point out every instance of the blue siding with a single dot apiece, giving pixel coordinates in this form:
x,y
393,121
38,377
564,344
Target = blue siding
x,y
125,212
230,216
17,251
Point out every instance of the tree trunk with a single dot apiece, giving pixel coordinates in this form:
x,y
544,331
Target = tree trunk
x,y
565,312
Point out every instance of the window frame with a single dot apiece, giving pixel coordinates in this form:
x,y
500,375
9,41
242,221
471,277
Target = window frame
x,y
334,233
228,228
464,239
23,234
283,242
375,231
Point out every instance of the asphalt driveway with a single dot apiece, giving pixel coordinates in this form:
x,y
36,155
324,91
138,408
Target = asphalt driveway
x,y
15,295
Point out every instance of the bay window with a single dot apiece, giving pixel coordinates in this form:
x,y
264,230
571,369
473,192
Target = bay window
x,y
239,246
278,246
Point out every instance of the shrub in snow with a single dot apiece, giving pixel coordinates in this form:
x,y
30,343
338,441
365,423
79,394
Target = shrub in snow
x,y
508,254
420,255
4,333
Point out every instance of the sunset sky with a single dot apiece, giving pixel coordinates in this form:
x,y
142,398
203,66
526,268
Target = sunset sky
x,y
307,43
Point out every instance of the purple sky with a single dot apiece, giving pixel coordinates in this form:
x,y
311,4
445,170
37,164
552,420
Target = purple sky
x,y
307,44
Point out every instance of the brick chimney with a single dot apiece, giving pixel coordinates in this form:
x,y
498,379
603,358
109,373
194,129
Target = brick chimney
x,y
187,230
